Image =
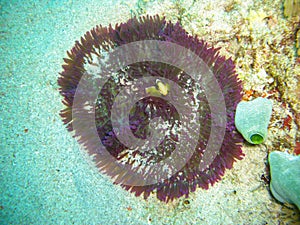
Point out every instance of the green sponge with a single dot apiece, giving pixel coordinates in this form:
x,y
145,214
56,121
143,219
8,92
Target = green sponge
x,y
285,177
252,119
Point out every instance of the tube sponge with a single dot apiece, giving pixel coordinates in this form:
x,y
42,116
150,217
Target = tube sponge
x,y
252,119
285,177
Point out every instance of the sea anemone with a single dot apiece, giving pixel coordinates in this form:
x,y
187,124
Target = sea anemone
x,y
89,56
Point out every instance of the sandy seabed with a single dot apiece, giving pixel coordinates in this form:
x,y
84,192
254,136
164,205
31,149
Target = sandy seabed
x,y
45,178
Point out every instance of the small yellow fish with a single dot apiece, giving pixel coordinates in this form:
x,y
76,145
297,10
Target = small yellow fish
x,y
158,90
163,88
